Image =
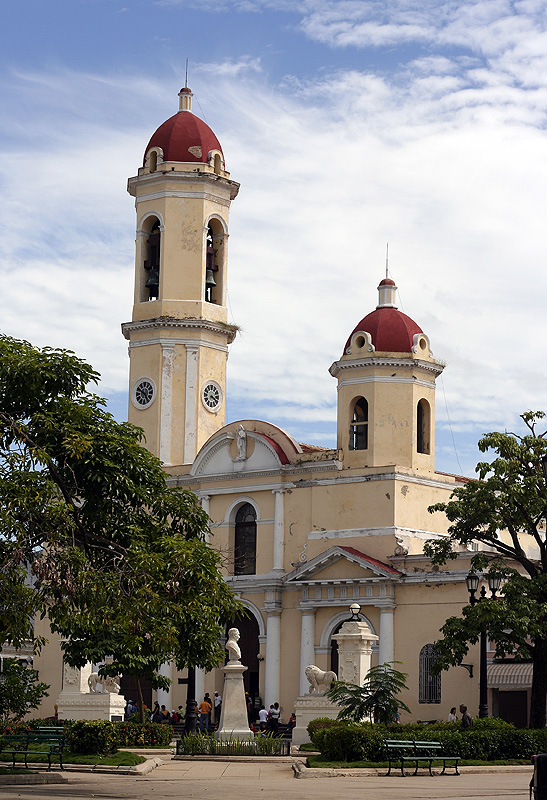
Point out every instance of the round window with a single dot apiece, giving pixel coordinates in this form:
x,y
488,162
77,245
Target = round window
x,y
211,396
144,392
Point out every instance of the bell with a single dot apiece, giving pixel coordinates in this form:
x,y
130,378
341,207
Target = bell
x,y
209,278
153,279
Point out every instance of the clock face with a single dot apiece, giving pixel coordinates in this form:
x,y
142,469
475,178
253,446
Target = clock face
x,y
211,396
143,393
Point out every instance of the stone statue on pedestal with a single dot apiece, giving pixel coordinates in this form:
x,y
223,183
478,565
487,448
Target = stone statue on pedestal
x,y
234,723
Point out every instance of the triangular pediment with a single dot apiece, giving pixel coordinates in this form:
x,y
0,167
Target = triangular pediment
x,y
342,563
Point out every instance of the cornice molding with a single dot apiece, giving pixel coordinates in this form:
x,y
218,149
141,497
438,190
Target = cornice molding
x,y
170,323
391,363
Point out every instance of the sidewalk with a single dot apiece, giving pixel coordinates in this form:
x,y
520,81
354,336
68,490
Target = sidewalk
x,y
231,780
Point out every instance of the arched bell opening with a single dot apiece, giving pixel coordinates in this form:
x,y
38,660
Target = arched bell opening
x,y
151,259
358,429
214,262
423,427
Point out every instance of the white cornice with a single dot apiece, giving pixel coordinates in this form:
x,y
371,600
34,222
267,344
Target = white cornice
x,y
178,324
389,363
391,530
386,379
293,469
166,341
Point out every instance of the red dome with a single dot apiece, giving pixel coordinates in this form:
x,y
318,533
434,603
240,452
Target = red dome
x,y
184,137
390,330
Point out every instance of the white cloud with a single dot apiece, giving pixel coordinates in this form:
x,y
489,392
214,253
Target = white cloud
x,y
445,158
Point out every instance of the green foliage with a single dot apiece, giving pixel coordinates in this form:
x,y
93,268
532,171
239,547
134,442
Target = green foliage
x,y
319,726
488,740
143,734
118,558
510,497
200,744
95,737
20,691
376,699
352,742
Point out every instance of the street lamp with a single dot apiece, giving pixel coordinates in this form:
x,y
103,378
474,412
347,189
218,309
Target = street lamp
x,y
472,582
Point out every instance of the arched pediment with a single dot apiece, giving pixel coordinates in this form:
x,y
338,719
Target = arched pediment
x,y
219,456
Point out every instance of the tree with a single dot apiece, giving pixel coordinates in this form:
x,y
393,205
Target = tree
x,y
20,690
118,559
505,510
376,698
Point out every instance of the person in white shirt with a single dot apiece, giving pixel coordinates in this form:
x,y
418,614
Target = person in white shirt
x,y
452,716
262,718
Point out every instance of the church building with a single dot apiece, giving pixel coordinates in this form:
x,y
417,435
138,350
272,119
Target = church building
x,y
304,531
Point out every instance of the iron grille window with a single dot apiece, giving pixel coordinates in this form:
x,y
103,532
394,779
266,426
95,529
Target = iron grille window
x,y
245,541
430,685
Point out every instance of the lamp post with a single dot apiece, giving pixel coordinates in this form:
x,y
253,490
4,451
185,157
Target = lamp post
x,y
472,582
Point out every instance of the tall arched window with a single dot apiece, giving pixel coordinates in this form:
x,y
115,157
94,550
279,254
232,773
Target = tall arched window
x,y
151,262
423,417
245,541
214,262
358,429
430,685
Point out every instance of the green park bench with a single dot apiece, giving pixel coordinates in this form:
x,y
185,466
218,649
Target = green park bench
x,y
418,753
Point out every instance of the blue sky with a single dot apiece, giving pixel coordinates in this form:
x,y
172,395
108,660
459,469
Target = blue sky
x,y
349,123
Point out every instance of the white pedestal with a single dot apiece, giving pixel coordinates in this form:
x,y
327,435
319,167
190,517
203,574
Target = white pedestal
x,y
308,707
234,723
74,705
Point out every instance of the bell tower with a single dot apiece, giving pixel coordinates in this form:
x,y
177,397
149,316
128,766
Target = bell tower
x,y
386,390
179,332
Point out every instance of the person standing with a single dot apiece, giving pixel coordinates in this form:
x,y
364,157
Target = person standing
x,y
452,716
467,721
217,701
275,715
156,713
262,718
204,716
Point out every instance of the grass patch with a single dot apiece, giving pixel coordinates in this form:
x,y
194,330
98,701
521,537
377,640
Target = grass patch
x,y
308,747
320,762
119,759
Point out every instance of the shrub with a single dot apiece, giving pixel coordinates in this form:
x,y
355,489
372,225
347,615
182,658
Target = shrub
x,y
143,734
352,742
93,738
318,727
488,740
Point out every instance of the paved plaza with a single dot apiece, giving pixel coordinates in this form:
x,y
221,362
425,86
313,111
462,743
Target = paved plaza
x,y
232,781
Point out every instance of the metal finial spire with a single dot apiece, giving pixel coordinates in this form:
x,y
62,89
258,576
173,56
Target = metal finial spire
x,y
387,259
186,75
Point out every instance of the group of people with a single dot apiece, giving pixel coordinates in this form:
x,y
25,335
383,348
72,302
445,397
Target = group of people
x,y
269,720
207,712
467,720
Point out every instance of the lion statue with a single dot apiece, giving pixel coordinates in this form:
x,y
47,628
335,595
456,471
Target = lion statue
x,y
318,679
110,685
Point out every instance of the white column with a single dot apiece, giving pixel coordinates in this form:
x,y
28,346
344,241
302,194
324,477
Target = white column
x,y
279,529
386,644
273,659
164,696
307,646
190,405
205,504
200,684
166,402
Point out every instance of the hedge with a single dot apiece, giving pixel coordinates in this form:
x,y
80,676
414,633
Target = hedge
x,y
143,734
488,740
95,737
101,737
